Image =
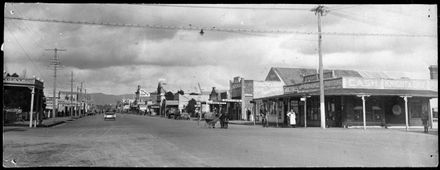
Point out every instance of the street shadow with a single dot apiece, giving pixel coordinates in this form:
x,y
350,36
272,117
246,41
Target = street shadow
x,y
428,133
14,129
21,124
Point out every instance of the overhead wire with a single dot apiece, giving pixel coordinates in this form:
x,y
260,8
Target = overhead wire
x,y
24,26
24,51
226,7
342,7
364,20
165,27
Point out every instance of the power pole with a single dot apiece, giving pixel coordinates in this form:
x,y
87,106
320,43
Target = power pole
x,y
71,93
320,11
80,91
85,101
77,100
55,62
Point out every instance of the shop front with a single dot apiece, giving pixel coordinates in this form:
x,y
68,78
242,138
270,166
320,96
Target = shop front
x,y
354,102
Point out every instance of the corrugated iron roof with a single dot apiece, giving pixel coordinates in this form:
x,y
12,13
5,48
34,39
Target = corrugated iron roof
x,y
293,75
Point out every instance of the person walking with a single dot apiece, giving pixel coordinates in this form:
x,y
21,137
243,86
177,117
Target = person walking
x,y
263,118
222,120
292,117
425,120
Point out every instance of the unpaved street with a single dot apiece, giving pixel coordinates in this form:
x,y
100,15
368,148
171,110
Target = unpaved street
x,y
143,141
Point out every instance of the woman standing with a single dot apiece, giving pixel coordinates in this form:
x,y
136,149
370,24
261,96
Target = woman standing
x,y
292,117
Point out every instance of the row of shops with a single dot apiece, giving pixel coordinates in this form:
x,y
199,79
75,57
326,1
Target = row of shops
x,y
352,99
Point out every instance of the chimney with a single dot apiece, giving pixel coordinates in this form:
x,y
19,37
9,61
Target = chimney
x,y
433,72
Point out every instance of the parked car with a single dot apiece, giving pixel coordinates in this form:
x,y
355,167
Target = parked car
x,y
109,115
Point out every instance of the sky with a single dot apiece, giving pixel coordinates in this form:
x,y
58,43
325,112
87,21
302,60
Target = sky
x,y
115,60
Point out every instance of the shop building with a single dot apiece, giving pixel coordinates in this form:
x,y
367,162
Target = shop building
x,y
433,70
242,92
24,94
353,98
68,104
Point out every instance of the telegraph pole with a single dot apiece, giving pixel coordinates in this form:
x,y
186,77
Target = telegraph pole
x,y
71,93
320,11
80,91
77,100
55,62
85,101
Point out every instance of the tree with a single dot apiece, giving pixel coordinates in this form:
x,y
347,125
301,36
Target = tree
x,y
191,108
181,92
169,96
14,75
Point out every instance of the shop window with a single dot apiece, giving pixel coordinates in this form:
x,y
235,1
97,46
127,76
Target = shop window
x,y
357,113
435,113
416,110
377,113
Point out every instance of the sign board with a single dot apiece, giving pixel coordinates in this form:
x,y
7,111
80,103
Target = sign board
x,y
231,100
142,107
143,93
313,86
404,84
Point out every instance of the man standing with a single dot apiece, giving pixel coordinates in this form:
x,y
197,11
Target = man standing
x,y
292,117
263,118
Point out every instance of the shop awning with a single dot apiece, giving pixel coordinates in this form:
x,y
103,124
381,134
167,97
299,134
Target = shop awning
x,y
353,92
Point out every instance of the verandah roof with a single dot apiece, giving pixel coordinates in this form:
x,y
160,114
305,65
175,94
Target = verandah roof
x,y
351,92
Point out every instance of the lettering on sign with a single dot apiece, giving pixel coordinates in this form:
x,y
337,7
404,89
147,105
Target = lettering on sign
x,y
306,87
290,89
234,86
351,82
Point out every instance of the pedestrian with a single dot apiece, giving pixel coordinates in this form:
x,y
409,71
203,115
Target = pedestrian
x,y
222,122
225,120
292,116
263,118
425,120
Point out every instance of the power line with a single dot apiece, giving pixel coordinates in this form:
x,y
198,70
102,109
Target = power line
x,y
353,17
342,7
26,54
257,31
225,7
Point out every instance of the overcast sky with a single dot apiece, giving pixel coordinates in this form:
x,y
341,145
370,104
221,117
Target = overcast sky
x,y
114,60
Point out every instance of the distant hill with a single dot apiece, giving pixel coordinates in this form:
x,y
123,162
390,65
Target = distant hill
x,y
102,99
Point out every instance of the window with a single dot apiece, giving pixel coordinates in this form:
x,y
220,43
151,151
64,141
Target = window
x,y
357,113
435,112
416,110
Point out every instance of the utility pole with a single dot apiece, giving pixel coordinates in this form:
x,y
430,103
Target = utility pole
x,y
80,91
55,62
77,100
71,93
320,11
85,103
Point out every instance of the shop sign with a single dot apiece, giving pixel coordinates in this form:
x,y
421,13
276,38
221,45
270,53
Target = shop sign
x,y
306,87
144,93
230,100
291,89
236,85
353,82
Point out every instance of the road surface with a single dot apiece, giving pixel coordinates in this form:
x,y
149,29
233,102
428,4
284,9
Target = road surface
x,y
144,141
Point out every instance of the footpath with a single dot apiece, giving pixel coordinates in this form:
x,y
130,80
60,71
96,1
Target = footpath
x,y
45,123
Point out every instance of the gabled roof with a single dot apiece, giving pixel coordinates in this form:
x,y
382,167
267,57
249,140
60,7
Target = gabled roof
x,y
346,73
295,75
291,75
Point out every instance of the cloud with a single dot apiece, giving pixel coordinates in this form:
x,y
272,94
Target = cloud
x,y
116,59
